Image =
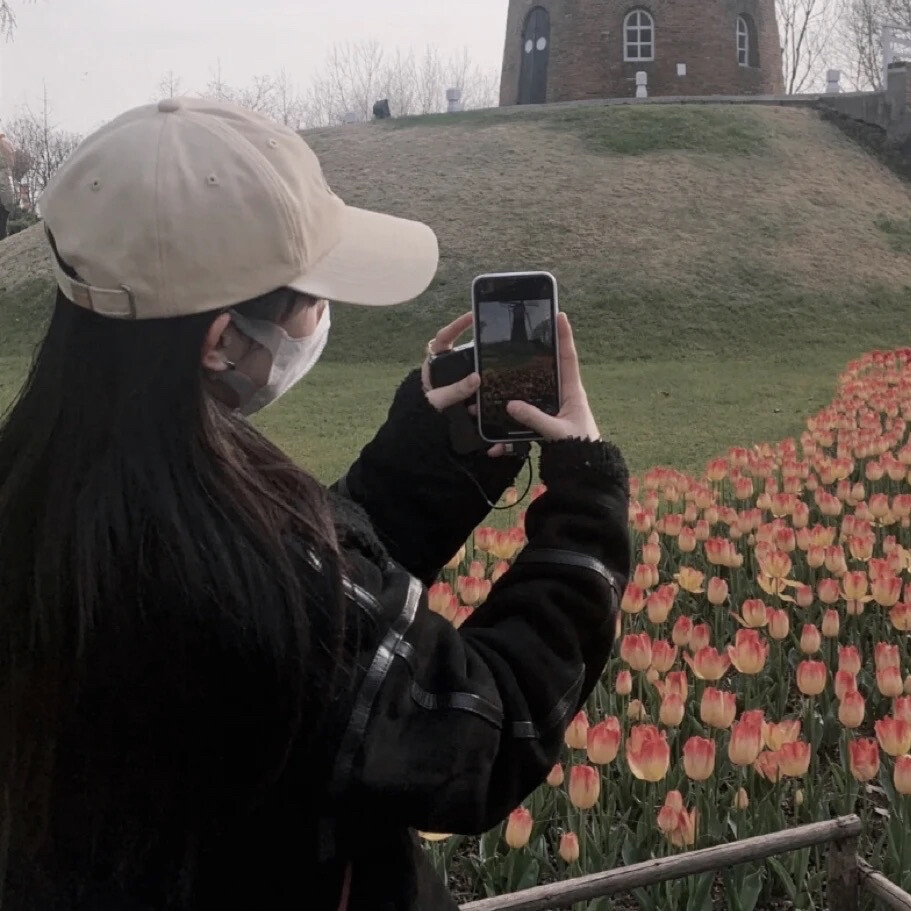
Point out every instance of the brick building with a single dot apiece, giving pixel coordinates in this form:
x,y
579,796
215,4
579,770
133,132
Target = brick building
x,y
568,50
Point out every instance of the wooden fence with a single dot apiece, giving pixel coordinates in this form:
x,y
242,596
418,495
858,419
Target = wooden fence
x,y
848,874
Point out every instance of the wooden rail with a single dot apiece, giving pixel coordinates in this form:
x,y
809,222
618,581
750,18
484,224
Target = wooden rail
x,y
841,832
880,887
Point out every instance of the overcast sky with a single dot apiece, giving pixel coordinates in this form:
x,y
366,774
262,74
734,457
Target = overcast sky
x,y
101,57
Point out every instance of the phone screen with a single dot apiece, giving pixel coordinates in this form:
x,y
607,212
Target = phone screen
x,y
515,336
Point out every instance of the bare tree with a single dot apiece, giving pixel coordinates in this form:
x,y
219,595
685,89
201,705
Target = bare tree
x,y
287,102
352,79
170,86
43,145
356,76
809,33
863,36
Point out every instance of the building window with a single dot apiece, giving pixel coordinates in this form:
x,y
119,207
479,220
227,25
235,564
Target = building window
x,y
747,44
639,36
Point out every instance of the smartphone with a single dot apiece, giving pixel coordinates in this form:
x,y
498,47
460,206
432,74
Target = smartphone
x,y
516,350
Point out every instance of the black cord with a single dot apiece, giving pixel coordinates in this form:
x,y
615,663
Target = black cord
x,y
474,480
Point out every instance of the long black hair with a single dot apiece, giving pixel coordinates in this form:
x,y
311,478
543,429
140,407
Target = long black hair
x,y
150,557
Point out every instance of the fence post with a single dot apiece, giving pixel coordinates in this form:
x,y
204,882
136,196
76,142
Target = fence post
x,y
844,876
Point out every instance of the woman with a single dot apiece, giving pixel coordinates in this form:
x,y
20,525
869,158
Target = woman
x,y
221,685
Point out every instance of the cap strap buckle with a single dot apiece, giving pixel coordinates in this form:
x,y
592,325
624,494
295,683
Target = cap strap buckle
x,y
117,303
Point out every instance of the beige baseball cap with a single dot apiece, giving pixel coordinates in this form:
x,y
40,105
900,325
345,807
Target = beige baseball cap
x,y
188,206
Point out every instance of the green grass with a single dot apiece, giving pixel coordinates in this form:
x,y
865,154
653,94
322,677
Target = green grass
x,y
678,413
898,232
622,130
720,265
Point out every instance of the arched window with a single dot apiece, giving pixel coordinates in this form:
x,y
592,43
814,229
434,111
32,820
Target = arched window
x,y
747,44
639,36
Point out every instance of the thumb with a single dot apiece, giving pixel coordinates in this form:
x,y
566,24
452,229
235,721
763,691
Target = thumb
x,y
544,425
456,394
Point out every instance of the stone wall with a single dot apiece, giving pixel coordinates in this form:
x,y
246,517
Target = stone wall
x,y
587,49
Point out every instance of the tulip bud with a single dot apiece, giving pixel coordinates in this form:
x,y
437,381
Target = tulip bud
x,y
811,677
894,736
669,814
749,653
863,759
902,776
777,735
584,786
886,655
745,743
648,753
700,637
849,659
831,624
810,639
569,847
686,540
754,613
708,664
635,711
717,592
683,629
794,759
828,591
633,599
798,798
624,683
663,655
604,741
718,708
741,800
439,597
672,710
851,710
636,651
889,682
576,736
779,624
518,828
699,758
556,776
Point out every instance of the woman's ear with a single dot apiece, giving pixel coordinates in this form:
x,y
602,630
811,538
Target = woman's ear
x,y
214,357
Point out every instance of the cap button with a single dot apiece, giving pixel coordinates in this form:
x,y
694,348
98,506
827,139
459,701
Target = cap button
x,y
169,105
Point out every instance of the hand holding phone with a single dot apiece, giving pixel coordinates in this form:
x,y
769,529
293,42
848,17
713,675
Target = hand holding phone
x,y
517,351
575,419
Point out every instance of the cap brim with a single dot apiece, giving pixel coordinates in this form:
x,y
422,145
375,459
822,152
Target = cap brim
x,y
380,261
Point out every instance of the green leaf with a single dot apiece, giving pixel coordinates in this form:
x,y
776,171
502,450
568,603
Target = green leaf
x,y
700,897
731,890
784,876
529,875
749,894
646,902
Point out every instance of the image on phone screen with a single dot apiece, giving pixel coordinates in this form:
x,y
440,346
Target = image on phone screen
x,y
517,360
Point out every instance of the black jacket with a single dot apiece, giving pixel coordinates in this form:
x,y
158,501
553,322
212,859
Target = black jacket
x,y
425,727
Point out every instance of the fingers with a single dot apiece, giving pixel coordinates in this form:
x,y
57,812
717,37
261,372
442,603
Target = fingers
x,y
498,451
448,335
447,396
547,427
570,376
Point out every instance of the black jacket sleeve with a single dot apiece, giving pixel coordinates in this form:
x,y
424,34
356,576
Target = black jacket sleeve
x,y
448,730
423,500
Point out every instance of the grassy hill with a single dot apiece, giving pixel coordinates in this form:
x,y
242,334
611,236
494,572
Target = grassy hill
x,y
720,264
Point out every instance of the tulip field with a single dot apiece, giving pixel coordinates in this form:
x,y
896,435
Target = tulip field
x,y
761,676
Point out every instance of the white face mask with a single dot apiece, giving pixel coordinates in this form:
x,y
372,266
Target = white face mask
x,y
292,360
